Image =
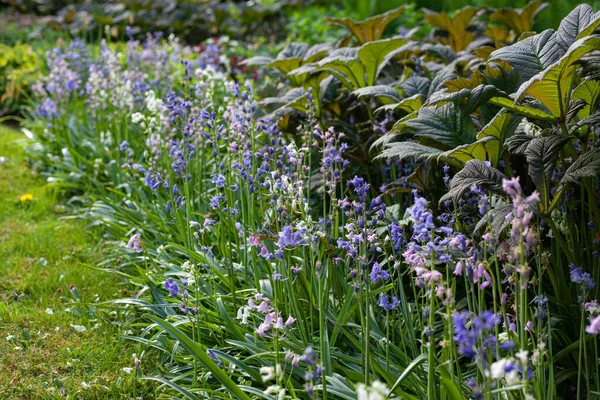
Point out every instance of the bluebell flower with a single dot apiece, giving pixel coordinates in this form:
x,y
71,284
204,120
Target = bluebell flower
x,y
581,277
377,274
219,180
215,200
214,357
172,287
387,303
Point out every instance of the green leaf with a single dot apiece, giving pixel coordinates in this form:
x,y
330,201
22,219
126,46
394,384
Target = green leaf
x,y
586,166
228,321
588,91
474,173
370,29
285,65
406,373
472,151
469,100
496,219
293,50
258,60
378,91
523,111
347,67
519,21
452,389
187,394
404,150
375,55
552,87
501,127
541,154
416,85
409,105
580,22
317,51
294,98
200,354
445,125
532,55
518,144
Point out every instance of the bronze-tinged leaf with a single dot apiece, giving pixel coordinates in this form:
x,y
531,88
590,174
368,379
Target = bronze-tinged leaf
x,y
370,29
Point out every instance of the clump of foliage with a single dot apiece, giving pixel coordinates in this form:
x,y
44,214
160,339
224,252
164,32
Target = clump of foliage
x,y
286,248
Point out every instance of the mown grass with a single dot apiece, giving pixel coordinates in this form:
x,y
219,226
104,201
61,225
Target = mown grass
x,y
48,294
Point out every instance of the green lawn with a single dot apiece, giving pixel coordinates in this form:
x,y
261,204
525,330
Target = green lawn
x,y
49,295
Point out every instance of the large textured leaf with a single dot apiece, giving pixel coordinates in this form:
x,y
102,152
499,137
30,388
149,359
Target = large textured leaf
x,y
541,154
257,60
286,65
523,111
348,69
496,218
552,86
456,26
416,85
588,91
468,100
532,55
502,126
519,20
445,125
454,85
472,151
409,104
317,51
586,166
400,126
404,150
442,76
518,144
294,98
503,76
293,50
379,91
580,22
474,173
370,29
375,55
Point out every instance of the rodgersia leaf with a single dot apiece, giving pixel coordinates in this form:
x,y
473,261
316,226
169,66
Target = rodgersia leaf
x,y
501,127
375,55
532,55
519,20
541,154
416,85
404,150
379,91
468,100
409,104
580,22
552,86
586,166
346,66
293,50
496,217
518,144
474,173
370,29
446,125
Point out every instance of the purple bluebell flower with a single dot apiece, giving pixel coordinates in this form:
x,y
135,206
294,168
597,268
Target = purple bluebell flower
x,y
172,287
135,243
214,357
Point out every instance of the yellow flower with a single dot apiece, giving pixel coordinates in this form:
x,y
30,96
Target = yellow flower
x,y
26,197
